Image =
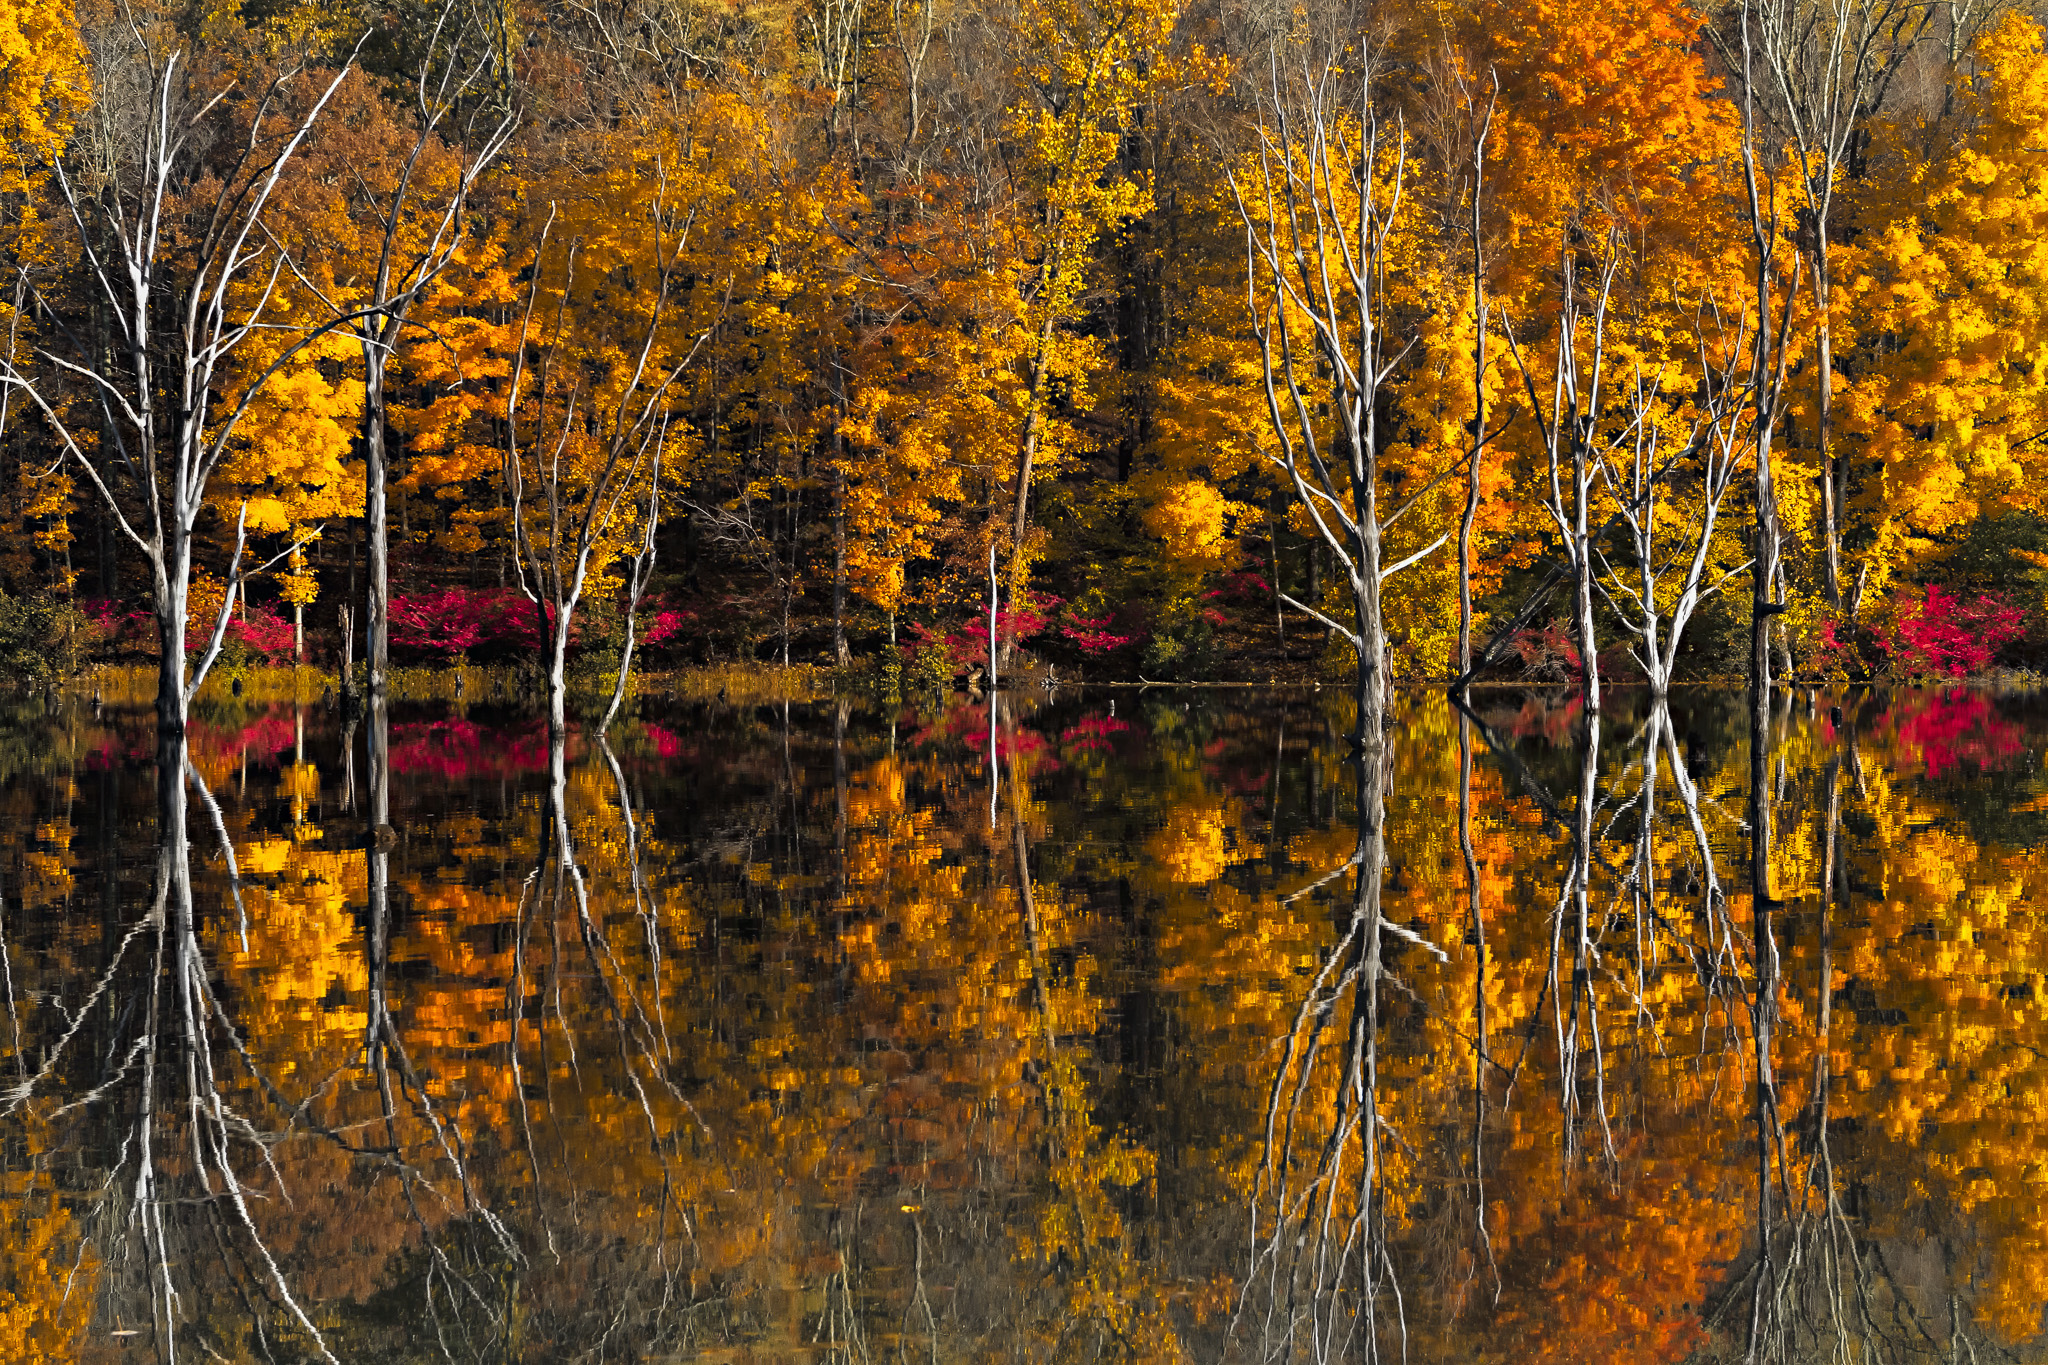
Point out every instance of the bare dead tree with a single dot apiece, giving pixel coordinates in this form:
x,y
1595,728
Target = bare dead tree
x,y
1776,283
1827,67
836,32
1319,222
1482,126
456,108
638,578
744,523
165,394
1632,467
594,445
1572,433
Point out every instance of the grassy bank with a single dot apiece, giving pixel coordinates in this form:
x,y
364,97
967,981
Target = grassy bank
x,y
735,684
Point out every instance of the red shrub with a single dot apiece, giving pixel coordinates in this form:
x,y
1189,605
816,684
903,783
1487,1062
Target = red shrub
x,y
464,621
967,645
1549,654
665,623
1932,633
1244,587
262,631
1092,634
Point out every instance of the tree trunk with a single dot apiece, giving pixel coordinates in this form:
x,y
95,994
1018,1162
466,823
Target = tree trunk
x,y
1654,661
1762,577
172,585
1373,684
1582,604
170,672
558,674
1830,511
1273,545
348,651
1465,525
110,558
377,617
625,671
1589,643
1764,555
1027,457
840,654
1470,516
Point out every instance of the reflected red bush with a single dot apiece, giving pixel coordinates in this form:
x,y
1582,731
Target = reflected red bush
x,y
461,750
964,728
1092,735
1941,732
668,745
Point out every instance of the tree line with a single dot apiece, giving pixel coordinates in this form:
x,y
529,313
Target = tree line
x,y
1166,338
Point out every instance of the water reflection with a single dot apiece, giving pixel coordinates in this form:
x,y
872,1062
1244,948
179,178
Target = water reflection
x,y
1711,1032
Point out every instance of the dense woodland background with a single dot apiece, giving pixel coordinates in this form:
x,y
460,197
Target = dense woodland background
x,y
805,307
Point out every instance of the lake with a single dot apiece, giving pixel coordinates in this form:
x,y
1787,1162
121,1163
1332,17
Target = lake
x,y
1111,1026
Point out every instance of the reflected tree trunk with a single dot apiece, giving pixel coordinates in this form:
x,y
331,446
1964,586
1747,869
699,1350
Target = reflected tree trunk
x,y
416,1131
1320,1283
559,892
1575,1008
1764,1321
187,1201
1820,1289
1475,936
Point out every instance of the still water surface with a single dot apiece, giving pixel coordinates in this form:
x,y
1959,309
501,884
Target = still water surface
x,y
1173,1032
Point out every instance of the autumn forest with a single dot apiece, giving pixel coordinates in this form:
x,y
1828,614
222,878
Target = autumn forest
x,y
1044,681
1201,341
